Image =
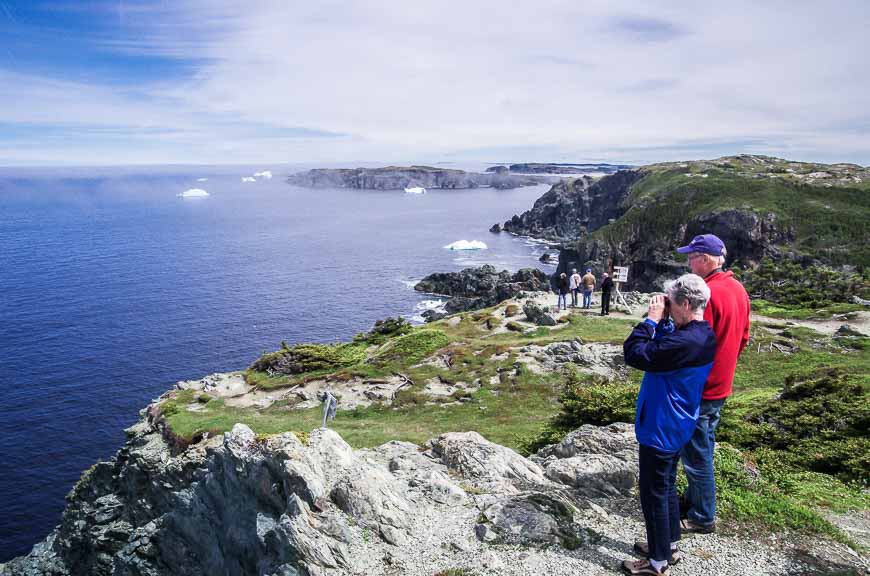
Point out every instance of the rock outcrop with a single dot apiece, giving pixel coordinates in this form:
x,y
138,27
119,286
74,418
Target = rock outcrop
x,y
475,288
397,178
309,505
239,503
574,207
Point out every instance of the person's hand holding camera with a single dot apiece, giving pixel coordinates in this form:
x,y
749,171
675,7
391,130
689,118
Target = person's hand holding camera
x,y
656,309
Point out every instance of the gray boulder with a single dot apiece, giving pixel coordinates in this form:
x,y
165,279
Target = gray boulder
x,y
485,464
537,315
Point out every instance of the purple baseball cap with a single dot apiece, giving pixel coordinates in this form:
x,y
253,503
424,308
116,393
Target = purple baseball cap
x,y
706,243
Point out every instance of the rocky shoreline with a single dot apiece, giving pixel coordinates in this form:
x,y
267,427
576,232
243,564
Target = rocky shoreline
x,y
309,505
481,287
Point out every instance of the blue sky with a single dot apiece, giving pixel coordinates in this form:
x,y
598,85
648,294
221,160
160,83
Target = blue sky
x,y
220,81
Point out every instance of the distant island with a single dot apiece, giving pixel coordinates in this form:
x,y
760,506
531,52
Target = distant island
x,y
558,168
398,178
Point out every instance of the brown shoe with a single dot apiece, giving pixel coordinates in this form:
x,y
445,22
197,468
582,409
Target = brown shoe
x,y
642,549
687,525
643,566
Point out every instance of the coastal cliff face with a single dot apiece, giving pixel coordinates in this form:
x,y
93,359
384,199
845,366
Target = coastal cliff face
x,y
761,207
573,207
397,178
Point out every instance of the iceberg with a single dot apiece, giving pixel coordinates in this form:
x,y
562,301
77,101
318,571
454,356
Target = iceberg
x,y
264,174
193,193
248,179
466,245
415,190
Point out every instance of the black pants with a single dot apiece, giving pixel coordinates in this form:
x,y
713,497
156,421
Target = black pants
x,y
658,499
605,302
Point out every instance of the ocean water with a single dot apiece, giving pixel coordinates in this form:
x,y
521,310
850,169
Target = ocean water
x,y
112,289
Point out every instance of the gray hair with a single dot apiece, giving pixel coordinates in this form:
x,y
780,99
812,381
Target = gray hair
x,y
689,287
722,257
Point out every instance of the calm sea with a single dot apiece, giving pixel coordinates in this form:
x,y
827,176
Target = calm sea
x,y
112,288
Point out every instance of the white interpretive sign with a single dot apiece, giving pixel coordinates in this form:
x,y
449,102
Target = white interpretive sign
x,y
620,273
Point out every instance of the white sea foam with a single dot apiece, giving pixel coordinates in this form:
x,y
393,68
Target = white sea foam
x,y
409,283
424,305
248,179
415,190
193,193
202,179
264,174
466,245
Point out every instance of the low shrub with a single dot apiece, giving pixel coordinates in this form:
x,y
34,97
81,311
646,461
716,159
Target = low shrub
x,y
818,423
511,310
786,282
514,327
304,358
411,348
383,330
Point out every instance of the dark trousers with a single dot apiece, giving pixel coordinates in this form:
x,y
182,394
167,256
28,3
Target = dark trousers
x,y
658,499
605,302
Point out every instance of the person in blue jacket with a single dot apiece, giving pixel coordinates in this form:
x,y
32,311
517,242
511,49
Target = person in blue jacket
x,y
675,347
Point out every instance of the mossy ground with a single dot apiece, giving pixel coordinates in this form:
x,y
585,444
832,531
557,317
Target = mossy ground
x,y
781,476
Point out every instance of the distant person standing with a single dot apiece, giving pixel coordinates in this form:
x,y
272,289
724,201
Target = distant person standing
x,y
575,287
728,314
606,289
562,302
588,286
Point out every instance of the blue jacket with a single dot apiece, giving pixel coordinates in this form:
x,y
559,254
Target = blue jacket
x,y
676,366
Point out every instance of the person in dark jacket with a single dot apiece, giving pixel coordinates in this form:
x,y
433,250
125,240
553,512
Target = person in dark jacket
x,y
606,288
677,357
563,292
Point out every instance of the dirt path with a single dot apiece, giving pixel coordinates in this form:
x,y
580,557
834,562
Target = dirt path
x,y
861,323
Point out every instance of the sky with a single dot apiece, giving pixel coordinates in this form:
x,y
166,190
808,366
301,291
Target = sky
x,y
222,81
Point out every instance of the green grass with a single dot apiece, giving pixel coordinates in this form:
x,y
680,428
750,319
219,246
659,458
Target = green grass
x,y
788,311
781,476
829,223
495,416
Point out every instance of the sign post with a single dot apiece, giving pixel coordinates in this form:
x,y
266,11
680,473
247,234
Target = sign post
x,y
620,275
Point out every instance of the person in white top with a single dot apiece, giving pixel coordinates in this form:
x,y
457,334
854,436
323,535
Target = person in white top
x,y
575,287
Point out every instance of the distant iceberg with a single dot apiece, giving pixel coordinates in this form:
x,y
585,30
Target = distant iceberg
x,y
248,179
415,190
264,174
202,179
466,245
193,193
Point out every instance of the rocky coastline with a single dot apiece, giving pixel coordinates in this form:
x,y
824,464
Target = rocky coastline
x,y
638,217
481,287
307,504
398,178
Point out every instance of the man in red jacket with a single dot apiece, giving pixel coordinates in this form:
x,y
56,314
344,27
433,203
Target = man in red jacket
x,y
728,314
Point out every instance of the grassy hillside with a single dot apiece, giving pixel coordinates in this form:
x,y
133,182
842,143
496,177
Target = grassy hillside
x,y
827,215
795,429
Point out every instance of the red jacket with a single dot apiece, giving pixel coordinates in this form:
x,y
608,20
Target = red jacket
x,y
728,314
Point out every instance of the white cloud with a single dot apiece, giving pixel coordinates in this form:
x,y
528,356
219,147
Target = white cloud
x,y
426,80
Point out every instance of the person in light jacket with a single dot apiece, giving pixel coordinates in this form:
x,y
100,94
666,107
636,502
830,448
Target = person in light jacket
x,y
676,355
575,287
